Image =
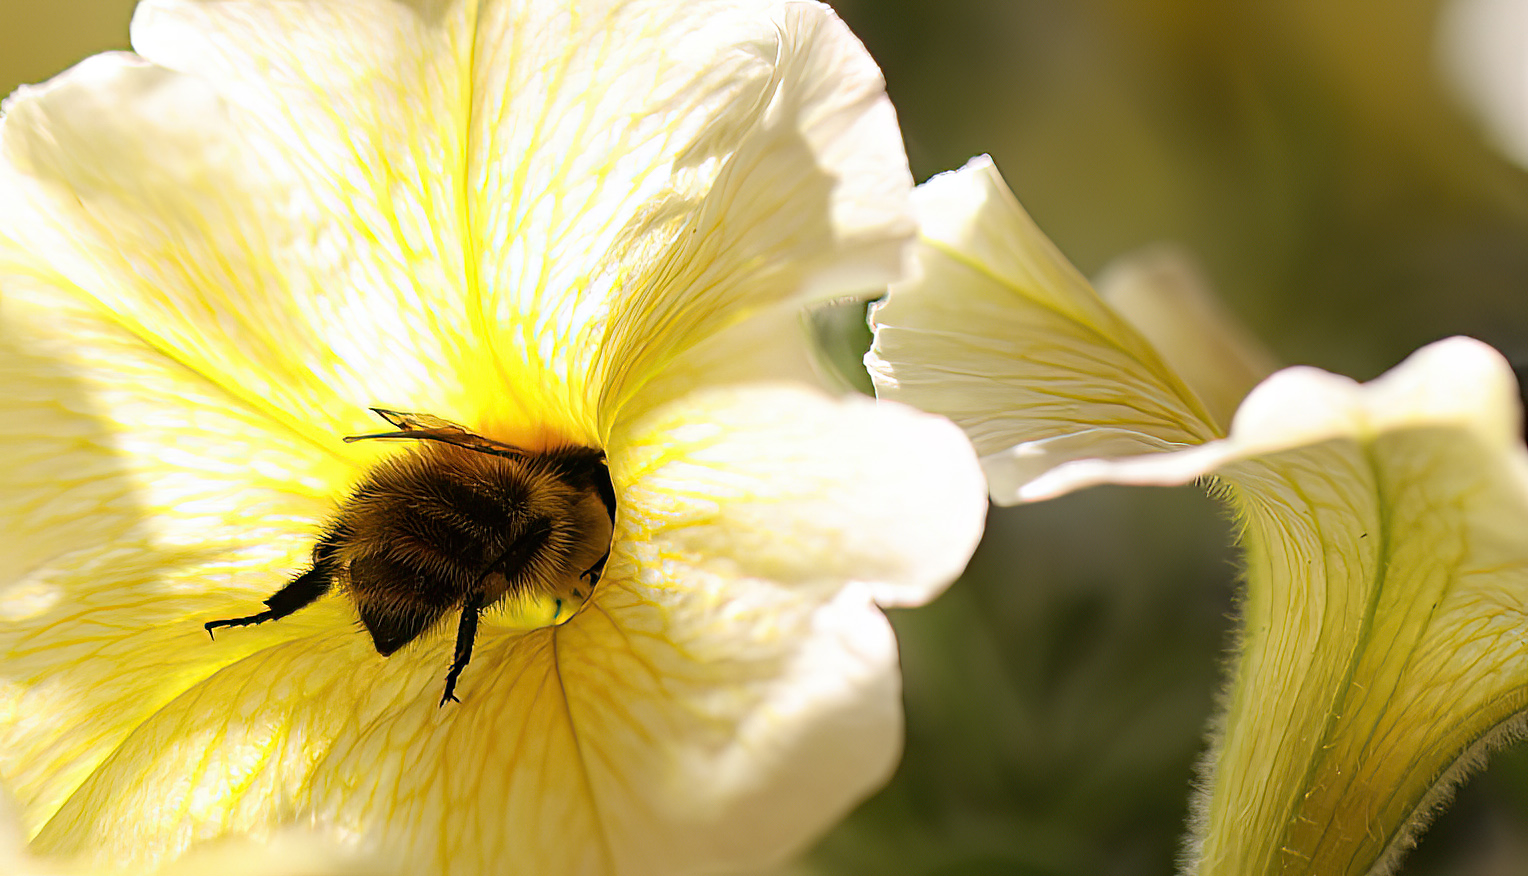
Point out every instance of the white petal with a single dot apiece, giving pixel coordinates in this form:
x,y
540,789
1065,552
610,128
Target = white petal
x,y
1001,334
810,201
1013,472
1306,406
776,346
834,490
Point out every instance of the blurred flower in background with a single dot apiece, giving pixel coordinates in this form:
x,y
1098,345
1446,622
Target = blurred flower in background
x,y
1483,48
1313,156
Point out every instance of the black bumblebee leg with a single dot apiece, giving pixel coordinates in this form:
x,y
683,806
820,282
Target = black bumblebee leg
x,y
465,635
594,572
299,592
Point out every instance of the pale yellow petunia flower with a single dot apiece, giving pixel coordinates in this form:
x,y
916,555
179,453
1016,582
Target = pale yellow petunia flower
x,y
1384,631
591,222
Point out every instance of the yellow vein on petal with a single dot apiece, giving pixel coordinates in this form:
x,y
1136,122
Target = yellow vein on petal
x,y
190,694
578,748
376,179
526,206
1370,744
1379,583
1203,428
625,635
382,191
159,343
254,252
557,78
469,226
1297,695
1353,659
153,341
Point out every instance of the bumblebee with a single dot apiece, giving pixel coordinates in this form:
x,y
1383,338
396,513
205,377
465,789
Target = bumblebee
x,y
455,525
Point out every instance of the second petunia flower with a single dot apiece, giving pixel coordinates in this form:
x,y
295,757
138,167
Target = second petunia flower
x,y
571,223
1384,526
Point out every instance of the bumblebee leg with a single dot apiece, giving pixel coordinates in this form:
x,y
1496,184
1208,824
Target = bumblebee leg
x,y
465,635
299,592
607,496
511,562
594,572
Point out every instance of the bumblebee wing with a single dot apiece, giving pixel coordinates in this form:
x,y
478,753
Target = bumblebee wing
x,y
428,427
410,422
473,441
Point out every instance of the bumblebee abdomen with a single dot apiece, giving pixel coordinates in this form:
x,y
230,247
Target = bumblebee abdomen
x,y
395,618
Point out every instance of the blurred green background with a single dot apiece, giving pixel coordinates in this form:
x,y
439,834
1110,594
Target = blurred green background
x,y
1310,154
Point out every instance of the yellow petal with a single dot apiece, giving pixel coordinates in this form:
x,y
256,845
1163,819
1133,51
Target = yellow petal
x,y
290,853
137,501
397,121
621,179
304,220
661,730
1001,334
287,852
1384,644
